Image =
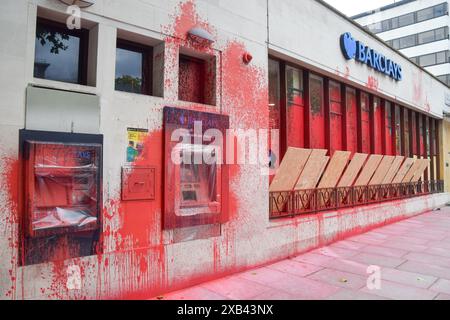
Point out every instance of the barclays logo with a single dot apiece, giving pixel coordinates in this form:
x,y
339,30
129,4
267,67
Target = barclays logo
x,y
352,49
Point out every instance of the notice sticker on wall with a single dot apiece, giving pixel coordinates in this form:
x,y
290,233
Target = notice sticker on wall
x,y
136,140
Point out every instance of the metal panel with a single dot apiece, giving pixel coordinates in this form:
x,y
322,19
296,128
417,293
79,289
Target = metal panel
x,y
62,111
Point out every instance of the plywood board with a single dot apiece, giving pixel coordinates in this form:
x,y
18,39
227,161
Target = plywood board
x,y
353,169
334,169
421,170
382,170
313,170
412,171
290,169
406,166
369,169
395,167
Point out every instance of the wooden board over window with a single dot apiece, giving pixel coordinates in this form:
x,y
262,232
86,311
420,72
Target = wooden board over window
x,y
368,170
353,169
313,170
382,170
421,170
393,170
335,169
290,169
409,162
412,171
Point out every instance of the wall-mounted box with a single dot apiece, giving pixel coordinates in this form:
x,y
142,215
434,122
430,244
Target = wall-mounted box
x,y
138,183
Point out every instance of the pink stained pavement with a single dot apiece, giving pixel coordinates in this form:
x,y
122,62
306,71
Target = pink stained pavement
x,y
413,256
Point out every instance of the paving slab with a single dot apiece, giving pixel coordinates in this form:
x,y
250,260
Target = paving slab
x,y
442,286
396,291
413,257
340,278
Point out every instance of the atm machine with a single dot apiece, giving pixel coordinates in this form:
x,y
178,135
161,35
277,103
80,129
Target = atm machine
x,y
61,194
196,187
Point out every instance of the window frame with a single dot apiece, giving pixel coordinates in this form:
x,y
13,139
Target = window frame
x,y
82,34
147,64
390,24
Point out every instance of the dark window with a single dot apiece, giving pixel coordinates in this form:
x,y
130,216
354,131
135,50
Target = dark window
x,y
60,53
133,67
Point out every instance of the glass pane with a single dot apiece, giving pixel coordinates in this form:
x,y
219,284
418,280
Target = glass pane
x,y
128,70
407,135
394,23
56,56
440,34
426,37
385,25
294,82
408,41
440,57
425,14
274,94
398,135
395,43
375,28
428,60
405,20
316,95
440,10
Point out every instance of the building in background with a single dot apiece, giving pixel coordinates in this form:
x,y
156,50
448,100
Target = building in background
x,y
418,28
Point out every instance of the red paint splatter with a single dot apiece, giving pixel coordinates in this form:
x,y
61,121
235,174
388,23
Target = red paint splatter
x,y
372,83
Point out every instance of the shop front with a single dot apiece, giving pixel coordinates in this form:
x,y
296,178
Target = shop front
x,y
144,155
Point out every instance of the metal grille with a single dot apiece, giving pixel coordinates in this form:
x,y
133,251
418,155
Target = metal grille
x,y
292,203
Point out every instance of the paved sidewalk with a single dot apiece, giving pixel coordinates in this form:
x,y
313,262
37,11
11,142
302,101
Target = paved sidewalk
x,y
414,257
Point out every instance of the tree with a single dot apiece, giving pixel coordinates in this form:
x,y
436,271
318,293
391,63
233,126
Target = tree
x,y
129,83
56,39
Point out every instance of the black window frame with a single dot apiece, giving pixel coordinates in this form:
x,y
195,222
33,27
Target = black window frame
x,y
82,34
147,64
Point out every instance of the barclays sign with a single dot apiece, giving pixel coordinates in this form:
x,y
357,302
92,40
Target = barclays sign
x,y
353,49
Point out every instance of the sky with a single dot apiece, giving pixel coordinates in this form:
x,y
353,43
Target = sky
x,y
352,7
